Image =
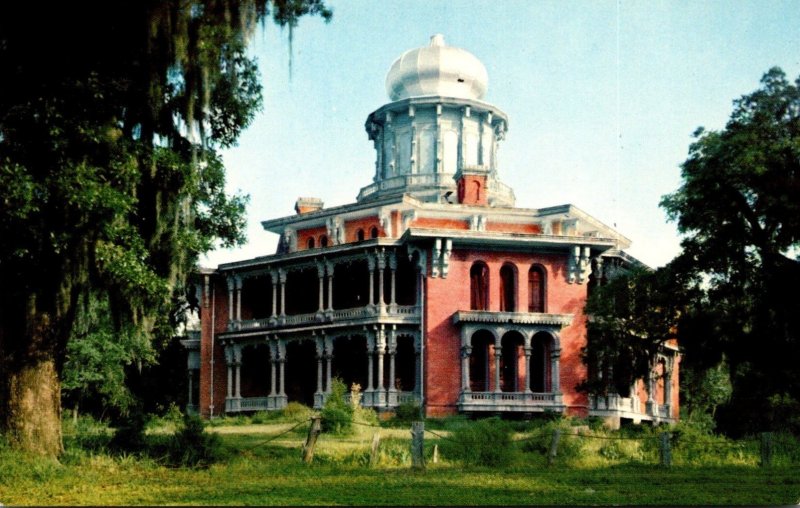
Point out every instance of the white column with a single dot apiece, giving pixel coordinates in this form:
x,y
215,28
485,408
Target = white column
x,y
237,362
274,280
320,353
329,268
282,367
229,393
392,352
329,362
238,298
466,352
370,360
381,267
393,268
526,346
381,349
282,280
527,370
498,350
371,264
555,360
321,275
272,376
231,308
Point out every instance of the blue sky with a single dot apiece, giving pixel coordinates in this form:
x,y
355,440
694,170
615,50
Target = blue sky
x,y
602,98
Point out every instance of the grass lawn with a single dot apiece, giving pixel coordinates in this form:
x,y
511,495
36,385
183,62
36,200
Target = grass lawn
x,y
271,473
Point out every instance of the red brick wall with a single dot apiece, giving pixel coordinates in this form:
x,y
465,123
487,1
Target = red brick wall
x,y
443,339
218,304
472,190
507,227
304,234
426,222
351,228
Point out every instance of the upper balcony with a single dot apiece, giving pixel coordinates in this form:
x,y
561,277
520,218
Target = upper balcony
x,y
392,314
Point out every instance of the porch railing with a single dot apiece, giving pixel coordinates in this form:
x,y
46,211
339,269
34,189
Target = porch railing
x,y
386,400
328,316
510,401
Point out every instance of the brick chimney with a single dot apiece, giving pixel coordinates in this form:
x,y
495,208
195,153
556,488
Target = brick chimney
x,y
307,205
471,184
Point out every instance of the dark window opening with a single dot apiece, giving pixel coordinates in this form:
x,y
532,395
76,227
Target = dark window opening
x,y
508,301
360,235
479,286
373,233
536,289
323,241
310,243
481,361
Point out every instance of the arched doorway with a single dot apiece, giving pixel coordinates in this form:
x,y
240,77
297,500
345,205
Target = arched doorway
x,y
512,362
481,364
540,362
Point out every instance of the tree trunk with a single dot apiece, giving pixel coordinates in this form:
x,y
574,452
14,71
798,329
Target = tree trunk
x,y
33,408
30,384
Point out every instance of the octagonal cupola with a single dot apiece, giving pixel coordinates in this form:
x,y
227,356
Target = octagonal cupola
x,y
437,129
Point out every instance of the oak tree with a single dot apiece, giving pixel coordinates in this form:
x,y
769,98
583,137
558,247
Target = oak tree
x,y
111,115
738,210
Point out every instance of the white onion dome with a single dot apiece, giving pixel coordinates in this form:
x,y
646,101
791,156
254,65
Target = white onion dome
x,y
439,70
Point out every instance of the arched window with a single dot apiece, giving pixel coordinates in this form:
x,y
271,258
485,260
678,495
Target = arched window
x,y
536,289
310,242
360,235
479,286
323,241
508,286
373,233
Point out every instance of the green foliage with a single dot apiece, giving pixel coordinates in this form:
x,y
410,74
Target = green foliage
x,y
631,316
485,442
702,391
337,414
94,370
538,441
407,411
738,210
130,435
253,472
192,446
87,434
112,182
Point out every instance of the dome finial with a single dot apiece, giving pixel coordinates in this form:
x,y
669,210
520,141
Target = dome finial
x,y
437,40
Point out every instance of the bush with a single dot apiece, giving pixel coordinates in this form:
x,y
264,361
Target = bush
x,y
129,437
296,412
192,446
569,446
481,443
337,414
86,433
407,412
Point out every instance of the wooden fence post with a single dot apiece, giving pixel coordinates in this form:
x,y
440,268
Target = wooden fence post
x,y
417,445
311,440
551,457
435,459
373,453
666,452
766,449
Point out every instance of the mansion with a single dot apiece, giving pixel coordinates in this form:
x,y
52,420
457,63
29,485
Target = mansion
x,y
431,288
